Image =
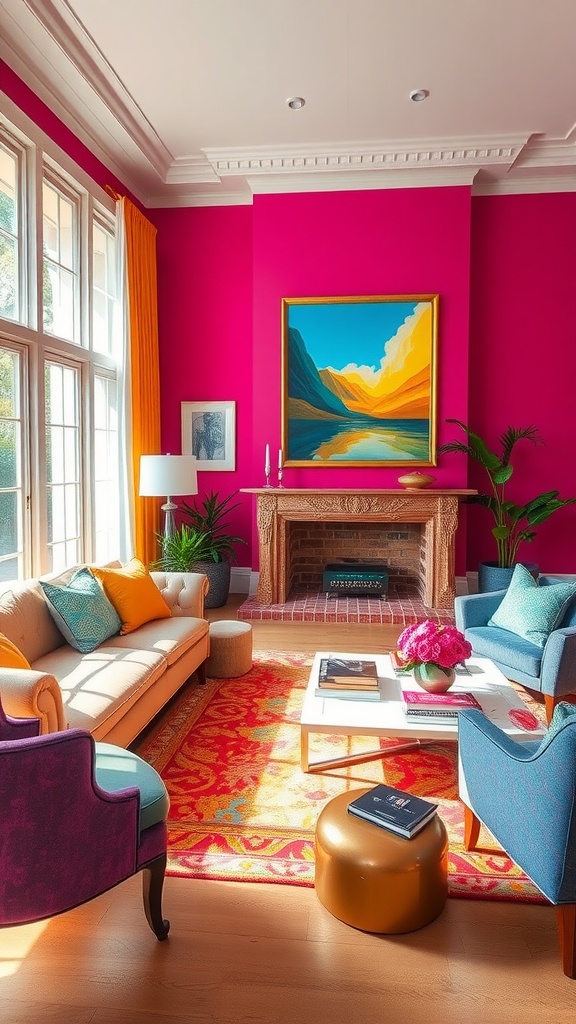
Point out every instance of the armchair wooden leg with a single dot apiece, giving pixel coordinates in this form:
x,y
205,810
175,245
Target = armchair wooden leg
x,y
201,673
549,704
471,829
152,884
567,934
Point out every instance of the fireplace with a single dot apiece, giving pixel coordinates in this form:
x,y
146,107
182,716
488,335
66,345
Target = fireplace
x,y
413,532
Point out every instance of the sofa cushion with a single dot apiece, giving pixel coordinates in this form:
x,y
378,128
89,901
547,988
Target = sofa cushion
x,y
133,593
505,648
170,637
117,769
81,610
99,687
530,611
10,655
26,621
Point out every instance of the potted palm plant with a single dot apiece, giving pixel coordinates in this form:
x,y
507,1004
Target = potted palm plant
x,y
215,544
513,523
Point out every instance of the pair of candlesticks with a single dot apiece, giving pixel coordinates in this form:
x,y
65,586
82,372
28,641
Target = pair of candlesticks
x,y
267,467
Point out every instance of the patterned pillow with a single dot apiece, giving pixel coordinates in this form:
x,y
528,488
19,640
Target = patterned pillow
x,y
82,612
530,611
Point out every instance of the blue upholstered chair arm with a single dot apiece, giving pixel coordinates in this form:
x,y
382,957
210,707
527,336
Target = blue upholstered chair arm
x,y
525,797
475,609
558,670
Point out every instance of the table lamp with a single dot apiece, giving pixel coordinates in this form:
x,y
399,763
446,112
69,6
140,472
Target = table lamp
x,y
168,475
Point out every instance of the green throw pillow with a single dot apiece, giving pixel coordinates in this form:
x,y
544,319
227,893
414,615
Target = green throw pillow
x,y
530,611
82,612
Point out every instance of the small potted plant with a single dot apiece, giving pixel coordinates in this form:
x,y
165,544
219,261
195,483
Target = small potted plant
x,y
513,523
215,543
432,651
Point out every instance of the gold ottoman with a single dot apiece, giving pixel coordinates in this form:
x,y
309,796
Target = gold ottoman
x,y
377,881
230,649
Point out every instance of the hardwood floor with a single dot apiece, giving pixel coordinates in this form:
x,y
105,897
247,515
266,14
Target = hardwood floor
x,y
270,954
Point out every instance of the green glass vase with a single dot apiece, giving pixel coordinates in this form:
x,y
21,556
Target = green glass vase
x,y
432,678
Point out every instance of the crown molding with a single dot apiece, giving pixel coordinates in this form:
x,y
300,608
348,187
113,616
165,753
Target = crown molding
x,y
367,156
79,48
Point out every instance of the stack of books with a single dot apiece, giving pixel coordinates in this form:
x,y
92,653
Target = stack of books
x,y
394,810
348,679
418,704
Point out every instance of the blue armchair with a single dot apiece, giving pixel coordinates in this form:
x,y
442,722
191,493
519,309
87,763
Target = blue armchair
x,y
78,818
550,670
525,794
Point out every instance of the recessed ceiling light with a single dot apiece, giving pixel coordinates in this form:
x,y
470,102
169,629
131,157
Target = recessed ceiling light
x,y
417,95
295,102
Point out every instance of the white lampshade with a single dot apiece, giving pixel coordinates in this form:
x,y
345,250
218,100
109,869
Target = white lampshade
x,y
168,475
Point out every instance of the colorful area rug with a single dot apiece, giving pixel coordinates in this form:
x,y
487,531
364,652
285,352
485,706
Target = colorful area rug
x,y
242,810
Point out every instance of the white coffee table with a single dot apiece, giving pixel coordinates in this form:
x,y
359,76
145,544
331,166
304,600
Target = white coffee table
x,y
386,717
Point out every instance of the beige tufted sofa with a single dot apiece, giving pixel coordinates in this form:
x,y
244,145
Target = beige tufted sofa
x,y
118,688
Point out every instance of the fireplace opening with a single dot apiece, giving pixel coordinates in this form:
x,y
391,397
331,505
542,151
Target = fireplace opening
x,y
396,548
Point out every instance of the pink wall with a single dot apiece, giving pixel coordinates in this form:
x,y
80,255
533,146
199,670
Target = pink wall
x,y
523,358
407,241
205,325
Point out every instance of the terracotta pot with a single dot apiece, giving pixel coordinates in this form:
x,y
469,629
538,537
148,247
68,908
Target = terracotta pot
x,y
434,679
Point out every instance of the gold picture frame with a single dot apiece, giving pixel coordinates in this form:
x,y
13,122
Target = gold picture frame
x,y
359,380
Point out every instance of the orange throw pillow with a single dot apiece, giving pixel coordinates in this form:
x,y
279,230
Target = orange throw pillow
x,y
133,593
10,655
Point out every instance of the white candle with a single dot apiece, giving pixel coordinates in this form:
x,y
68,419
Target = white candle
x,y
267,462
279,458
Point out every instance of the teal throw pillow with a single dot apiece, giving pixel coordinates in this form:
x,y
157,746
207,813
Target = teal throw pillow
x,y
82,612
530,611
563,713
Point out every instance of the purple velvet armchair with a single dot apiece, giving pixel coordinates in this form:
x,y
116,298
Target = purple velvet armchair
x,y
78,818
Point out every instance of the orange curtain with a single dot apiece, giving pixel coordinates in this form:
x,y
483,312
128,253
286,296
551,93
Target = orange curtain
x,y
144,369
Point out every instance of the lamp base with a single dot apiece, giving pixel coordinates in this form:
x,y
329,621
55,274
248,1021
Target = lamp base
x,y
169,523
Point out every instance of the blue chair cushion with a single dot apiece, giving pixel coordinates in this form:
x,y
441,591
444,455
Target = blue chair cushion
x,y
530,611
117,769
81,610
506,649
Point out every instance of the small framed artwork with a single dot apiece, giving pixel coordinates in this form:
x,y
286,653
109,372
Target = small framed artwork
x,y
359,380
209,433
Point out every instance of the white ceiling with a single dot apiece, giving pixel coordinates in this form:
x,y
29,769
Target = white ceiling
x,y
185,100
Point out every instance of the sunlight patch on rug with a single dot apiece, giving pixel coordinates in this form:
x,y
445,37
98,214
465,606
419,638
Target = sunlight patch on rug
x,y
241,808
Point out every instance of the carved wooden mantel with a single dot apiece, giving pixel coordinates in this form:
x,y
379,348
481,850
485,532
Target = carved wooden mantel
x,y
436,510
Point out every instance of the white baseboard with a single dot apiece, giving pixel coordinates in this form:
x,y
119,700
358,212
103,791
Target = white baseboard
x,y
240,580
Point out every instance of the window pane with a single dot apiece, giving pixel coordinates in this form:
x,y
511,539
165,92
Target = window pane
x,y
63,462
60,265
11,470
9,240
106,469
8,277
105,300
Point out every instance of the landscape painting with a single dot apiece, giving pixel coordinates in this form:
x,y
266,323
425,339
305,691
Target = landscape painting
x,y
359,380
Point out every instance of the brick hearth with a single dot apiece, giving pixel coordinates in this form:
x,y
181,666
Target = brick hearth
x,y
317,607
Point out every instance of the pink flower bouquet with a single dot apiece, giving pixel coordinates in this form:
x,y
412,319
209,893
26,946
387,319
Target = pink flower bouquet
x,y
430,643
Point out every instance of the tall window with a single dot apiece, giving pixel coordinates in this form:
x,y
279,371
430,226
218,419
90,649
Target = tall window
x,y
60,352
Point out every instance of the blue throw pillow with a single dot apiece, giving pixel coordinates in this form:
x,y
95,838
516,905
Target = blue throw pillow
x,y
82,612
530,611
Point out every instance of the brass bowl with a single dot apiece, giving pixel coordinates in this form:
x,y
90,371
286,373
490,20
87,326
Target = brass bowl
x,y
415,480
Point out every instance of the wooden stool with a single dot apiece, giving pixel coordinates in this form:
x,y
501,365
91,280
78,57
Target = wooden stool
x,y
230,649
377,881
